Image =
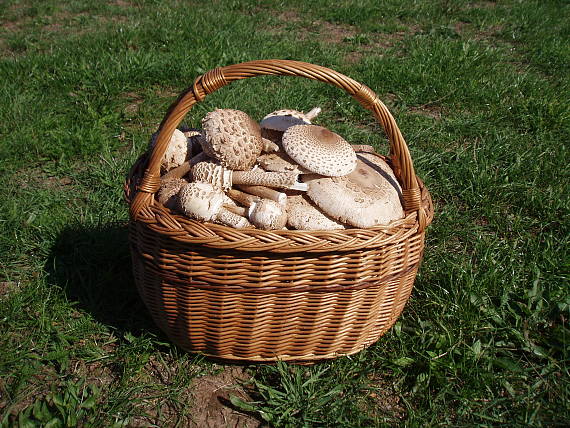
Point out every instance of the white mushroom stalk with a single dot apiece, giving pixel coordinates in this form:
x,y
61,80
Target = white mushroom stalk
x,y
243,198
218,176
183,169
265,192
201,201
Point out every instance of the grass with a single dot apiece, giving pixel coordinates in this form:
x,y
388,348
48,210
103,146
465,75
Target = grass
x,y
479,89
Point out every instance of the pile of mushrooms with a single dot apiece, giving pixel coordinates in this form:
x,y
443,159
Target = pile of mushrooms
x,y
281,173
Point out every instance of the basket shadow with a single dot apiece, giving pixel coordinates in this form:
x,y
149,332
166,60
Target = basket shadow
x,y
92,265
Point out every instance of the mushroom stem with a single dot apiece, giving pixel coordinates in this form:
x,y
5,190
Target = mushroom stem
x,y
270,179
269,146
242,198
185,168
241,211
229,218
220,177
313,113
363,148
265,192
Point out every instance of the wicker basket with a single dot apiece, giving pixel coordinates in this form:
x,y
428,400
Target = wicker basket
x,y
255,295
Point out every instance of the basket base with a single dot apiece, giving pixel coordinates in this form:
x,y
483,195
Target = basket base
x,y
298,326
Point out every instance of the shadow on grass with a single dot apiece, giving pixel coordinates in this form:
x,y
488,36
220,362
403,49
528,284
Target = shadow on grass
x,y
93,267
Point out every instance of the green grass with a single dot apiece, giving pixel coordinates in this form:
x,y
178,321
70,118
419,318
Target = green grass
x,y
480,90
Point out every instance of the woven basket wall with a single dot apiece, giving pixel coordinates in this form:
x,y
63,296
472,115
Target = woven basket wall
x,y
255,295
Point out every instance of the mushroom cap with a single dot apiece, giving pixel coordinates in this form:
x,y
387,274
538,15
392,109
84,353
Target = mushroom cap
x,y
212,172
379,164
232,137
200,201
303,215
179,150
280,120
319,150
363,198
167,195
267,214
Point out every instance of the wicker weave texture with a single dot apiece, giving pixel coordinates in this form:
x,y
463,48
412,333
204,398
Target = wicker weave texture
x,y
258,295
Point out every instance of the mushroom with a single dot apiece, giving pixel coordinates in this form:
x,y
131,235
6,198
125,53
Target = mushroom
x,y
303,215
275,123
233,138
218,176
319,150
376,161
167,195
363,198
263,213
267,214
179,149
203,202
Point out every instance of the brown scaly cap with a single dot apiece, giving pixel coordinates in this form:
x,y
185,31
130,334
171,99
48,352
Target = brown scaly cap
x,y
232,137
319,150
363,198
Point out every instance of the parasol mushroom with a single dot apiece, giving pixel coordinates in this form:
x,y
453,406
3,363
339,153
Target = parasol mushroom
x,y
218,176
275,123
363,198
233,138
179,149
319,150
203,202
263,213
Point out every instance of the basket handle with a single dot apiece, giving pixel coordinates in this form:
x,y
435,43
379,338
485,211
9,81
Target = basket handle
x,y
221,76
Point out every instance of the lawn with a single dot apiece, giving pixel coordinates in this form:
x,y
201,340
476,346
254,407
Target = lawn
x,y
481,92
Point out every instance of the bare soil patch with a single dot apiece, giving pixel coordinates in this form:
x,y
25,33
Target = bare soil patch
x,y
431,111
7,287
342,34
34,177
336,33
384,400
134,100
212,407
